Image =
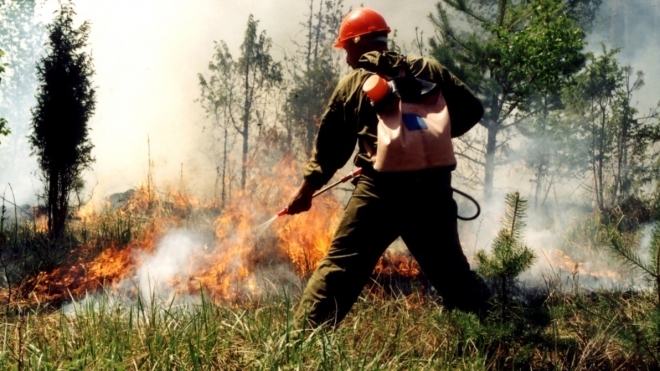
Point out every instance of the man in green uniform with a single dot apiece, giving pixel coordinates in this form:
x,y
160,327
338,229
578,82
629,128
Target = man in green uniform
x,y
417,205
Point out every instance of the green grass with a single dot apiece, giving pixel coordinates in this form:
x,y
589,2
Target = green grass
x,y
547,329
605,332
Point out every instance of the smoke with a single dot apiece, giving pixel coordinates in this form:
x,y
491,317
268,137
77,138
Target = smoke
x,y
169,273
171,260
633,26
21,38
147,55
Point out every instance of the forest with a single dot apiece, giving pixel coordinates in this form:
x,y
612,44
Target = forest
x,y
138,225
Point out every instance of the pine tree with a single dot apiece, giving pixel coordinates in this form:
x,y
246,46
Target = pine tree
x,y
65,103
649,267
508,52
510,257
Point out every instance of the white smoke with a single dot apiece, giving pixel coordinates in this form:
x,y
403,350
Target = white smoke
x,y
147,55
174,258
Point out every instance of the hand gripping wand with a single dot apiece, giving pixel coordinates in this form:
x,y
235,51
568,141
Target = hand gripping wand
x,y
355,173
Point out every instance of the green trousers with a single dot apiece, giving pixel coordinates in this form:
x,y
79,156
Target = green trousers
x,y
417,206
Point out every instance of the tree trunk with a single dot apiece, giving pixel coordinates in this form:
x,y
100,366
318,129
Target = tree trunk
x,y
541,169
246,121
51,201
594,164
310,29
489,167
224,169
601,157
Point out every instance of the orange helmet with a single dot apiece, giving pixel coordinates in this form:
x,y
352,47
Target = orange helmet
x,y
361,21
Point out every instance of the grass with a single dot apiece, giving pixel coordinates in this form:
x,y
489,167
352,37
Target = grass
x,y
549,328
604,331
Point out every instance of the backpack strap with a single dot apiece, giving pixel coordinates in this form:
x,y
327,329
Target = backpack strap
x,y
403,69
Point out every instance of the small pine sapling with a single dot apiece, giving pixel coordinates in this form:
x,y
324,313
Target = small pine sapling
x,y
650,268
510,257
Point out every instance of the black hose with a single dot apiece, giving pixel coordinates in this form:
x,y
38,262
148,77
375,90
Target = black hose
x,y
476,215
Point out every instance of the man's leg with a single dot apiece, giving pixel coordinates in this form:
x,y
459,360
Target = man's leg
x,y
432,238
363,235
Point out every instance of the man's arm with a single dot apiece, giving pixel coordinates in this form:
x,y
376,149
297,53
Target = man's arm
x,y
465,109
333,147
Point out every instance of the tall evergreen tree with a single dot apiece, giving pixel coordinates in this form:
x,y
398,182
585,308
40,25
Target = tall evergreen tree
x,y
65,102
512,51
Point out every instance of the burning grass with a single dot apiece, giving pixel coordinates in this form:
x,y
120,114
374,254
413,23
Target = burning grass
x,y
177,245
167,281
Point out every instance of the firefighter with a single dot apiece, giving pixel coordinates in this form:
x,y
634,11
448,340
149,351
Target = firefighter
x,y
415,205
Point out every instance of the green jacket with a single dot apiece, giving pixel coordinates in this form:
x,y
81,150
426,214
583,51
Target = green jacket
x,y
350,116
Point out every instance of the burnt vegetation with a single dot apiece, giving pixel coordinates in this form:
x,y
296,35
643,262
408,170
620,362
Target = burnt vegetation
x,y
558,111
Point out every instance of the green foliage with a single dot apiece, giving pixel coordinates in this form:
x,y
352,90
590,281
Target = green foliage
x,y
218,97
314,73
555,150
259,75
629,254
108,332
600,103
307,101
511,52
65,102
4,130
510,257
584,12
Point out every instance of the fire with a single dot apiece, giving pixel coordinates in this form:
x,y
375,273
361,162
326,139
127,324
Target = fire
x,y
563,261
235,262
231,268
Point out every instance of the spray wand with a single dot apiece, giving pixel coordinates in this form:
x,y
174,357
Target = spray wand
x,y
355,173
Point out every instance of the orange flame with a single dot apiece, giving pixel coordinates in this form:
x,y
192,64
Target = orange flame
x,y
227,269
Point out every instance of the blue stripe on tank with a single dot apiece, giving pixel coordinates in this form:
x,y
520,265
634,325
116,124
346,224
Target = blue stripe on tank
x,y
414,122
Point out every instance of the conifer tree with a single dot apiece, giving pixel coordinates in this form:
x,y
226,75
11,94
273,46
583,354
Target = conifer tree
x,y
508,52
65,103
510,257
649,267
